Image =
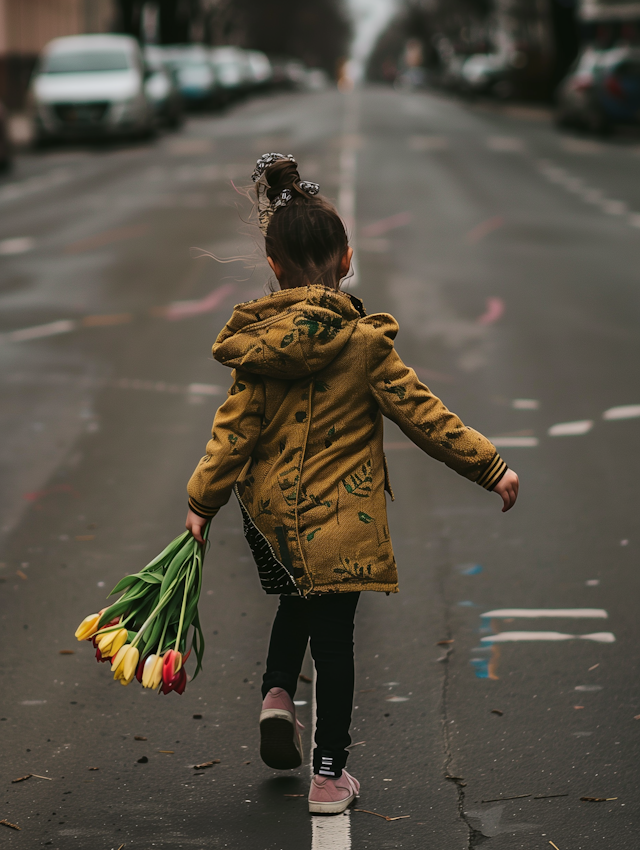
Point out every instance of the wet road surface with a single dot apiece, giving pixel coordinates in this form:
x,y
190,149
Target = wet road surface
x,y
505,668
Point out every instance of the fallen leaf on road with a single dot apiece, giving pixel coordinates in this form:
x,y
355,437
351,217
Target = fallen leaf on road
x,y
593,668
206,764
37,776
578,707
597,799
10,825
637,717
499,799
93,768
167,752
21,575
454,778
304,678
246,762
66,652
139,738
22,778
497,711
444,642
384,817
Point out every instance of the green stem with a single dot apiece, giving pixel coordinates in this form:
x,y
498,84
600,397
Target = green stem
x,y
119,625
184,605
164,632
165,598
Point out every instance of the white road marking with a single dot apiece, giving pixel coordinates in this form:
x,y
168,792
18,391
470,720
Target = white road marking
x,y
525,404
612,207
348,168
205,389
505,144
514,442
571,429
16,245
587,688
62,326
626,411
512,637
580,146
593,613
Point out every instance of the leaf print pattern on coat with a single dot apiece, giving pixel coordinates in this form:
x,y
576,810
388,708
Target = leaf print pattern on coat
x,y
314,490
359,482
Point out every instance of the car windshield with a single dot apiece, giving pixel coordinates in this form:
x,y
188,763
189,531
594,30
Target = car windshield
x,y
86,61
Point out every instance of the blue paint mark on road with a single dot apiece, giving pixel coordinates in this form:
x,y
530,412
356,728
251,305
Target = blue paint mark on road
x,y
467,604
469,569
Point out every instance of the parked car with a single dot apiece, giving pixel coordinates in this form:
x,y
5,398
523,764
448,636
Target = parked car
x,y
487,73
601,90
259,68
195,74
288,73
6,152
90,86
162,89
232,69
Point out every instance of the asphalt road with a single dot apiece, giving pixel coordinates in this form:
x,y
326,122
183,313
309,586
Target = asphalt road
x,y
509,254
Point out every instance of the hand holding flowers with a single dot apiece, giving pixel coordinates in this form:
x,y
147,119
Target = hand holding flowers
x,y
144,634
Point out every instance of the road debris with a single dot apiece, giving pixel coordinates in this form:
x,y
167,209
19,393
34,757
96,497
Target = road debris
x,y
66,652
637,717
548,796
444,642
554,845
143,760
357,744
304,678
197,717
21,575
593,668
597,799
139,738
93,768
206,764
10,825
500,799
167,752
22,778
246,762
294,795
497,711
578,707
384,817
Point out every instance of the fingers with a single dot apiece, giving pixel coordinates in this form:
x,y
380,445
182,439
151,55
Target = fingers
x,y
196,531
509,496
195,526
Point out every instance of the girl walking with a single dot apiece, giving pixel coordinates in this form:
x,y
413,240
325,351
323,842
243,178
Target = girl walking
x,y
299,438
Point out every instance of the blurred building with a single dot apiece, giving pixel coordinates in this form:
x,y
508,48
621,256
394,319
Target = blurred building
x,y
27,25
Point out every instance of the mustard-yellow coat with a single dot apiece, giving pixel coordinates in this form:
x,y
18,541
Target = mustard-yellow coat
x,y
300,437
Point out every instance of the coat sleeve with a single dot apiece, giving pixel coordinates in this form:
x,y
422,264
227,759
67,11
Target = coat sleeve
x,y
420,414
235,432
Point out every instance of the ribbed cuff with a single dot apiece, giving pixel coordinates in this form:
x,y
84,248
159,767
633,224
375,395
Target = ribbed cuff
x,y
493,473
202,510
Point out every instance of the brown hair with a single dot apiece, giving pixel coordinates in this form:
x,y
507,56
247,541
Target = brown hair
x,y
306,237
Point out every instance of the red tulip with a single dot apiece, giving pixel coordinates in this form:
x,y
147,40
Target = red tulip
x,y
174,676
140,668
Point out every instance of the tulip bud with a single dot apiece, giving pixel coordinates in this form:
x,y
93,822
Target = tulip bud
x,y
152,673
110,642
125,663
117,658
171,665
88,627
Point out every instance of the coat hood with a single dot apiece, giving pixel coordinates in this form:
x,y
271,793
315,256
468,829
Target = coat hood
x,y
289,334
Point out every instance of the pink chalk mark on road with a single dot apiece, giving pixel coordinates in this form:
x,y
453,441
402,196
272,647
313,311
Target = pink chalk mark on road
x,y
385,225
495,310
185,309
478,233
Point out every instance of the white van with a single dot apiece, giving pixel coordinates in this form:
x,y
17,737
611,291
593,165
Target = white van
x,y
90,86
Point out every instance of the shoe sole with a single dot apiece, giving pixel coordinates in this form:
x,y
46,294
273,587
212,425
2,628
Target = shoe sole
x,y
334,808
279,748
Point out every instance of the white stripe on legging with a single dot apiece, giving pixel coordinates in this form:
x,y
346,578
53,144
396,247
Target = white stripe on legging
x,y
328,832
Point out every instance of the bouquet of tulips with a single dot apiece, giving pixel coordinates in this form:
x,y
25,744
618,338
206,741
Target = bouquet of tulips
x,y
145,633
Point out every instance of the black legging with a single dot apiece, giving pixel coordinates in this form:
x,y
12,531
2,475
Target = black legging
x,y
327,622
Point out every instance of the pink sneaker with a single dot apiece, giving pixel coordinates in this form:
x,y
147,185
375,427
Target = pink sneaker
x,y
332,796
280,742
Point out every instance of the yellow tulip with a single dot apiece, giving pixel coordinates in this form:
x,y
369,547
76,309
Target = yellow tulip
x,y
110,642
125,663
88,627
152,671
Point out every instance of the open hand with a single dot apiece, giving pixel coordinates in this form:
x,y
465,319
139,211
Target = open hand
x,y
195,524
507,489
